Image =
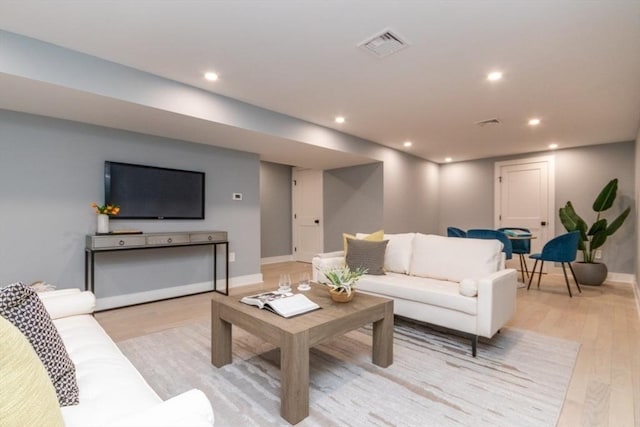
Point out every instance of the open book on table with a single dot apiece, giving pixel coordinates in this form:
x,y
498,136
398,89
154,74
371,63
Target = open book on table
x,y
286,305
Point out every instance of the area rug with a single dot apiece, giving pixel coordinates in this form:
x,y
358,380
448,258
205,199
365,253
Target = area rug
x,y
518,378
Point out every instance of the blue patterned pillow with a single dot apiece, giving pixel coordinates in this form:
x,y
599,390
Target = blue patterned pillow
x,y
21,306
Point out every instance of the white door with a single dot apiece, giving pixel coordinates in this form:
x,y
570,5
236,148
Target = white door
x,y
307,214
524,197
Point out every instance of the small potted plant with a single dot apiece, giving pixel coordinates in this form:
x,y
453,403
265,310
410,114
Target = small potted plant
x,y
104,212
588,271
342,282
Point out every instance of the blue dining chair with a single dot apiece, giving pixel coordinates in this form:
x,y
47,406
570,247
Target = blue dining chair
x,y
520,247
482,233
455,232
560,249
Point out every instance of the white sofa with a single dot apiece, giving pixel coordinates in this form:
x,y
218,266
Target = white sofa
x,y
112,391
427,275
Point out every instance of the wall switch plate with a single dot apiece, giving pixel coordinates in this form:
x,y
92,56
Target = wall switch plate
x,y
598,254
237,196
232,256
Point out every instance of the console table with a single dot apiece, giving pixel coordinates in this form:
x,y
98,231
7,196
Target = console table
x,y
129,242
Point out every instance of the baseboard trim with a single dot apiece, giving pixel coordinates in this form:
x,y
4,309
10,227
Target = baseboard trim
x,y
277,259
636,294
611,276
173,292
621,277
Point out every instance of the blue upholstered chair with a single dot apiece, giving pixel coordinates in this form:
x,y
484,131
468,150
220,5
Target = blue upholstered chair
x,y
560,249
481,233
520,247
455,232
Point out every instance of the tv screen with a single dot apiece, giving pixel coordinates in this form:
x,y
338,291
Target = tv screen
x,y
148,192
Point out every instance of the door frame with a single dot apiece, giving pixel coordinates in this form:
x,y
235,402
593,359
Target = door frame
x,y
551,183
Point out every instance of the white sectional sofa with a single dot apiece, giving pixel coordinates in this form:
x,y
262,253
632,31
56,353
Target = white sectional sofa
x,y
457,283
112,392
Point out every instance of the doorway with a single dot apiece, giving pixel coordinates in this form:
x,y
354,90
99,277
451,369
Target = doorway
x,y
307,218
525,197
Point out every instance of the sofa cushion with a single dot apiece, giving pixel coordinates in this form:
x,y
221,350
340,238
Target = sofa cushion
x,y
191,408
468,288
367,255
397,258
27,396
439,293
376,236
20,305
454,259
110,386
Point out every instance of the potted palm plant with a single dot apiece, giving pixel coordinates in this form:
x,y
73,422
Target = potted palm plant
x,y
342,282
589,272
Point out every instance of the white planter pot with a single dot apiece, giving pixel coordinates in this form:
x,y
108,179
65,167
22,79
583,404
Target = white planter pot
x,y
103,224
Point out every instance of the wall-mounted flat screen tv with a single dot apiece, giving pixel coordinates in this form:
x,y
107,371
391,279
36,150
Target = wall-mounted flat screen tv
x,y
149,192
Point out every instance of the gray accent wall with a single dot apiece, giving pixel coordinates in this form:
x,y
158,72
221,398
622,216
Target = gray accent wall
x,y
275,210
411,194
50,172
580,175
467,193
353,202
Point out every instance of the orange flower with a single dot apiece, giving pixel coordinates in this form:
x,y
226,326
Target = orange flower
x,y
106,209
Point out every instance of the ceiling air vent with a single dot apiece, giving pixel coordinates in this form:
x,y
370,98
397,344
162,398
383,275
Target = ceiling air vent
x,y
383,44
487,122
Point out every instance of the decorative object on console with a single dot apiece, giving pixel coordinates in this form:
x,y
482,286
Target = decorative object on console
x,y
342,282
21,306
594,237
104,211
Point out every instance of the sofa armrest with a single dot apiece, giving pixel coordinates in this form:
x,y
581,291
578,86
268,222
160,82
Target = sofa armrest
x,y
191,408
496,301
324,262
68,302
57,293
331,254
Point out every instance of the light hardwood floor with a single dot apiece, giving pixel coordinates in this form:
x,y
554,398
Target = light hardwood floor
x,y
605,386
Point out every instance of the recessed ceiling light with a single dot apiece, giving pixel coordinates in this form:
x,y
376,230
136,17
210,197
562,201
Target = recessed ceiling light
x,y
534,122
340,119
494,76
407,143
553,146
448,159
211,76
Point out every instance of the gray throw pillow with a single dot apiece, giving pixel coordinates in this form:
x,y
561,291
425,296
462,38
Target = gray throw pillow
x,y
21,306
366,254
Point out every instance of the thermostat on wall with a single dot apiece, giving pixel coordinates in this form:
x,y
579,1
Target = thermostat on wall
x,y
237,196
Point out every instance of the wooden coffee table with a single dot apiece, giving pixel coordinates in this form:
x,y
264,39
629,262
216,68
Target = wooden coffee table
x,y
296,335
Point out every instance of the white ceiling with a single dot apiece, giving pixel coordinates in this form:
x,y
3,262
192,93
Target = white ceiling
x,y
574,64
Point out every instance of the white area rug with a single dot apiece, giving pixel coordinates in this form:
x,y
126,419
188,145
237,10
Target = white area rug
x,y
519,378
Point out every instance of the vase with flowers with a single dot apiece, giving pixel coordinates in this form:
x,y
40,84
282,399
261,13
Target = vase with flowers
x,y
342,282
104,212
